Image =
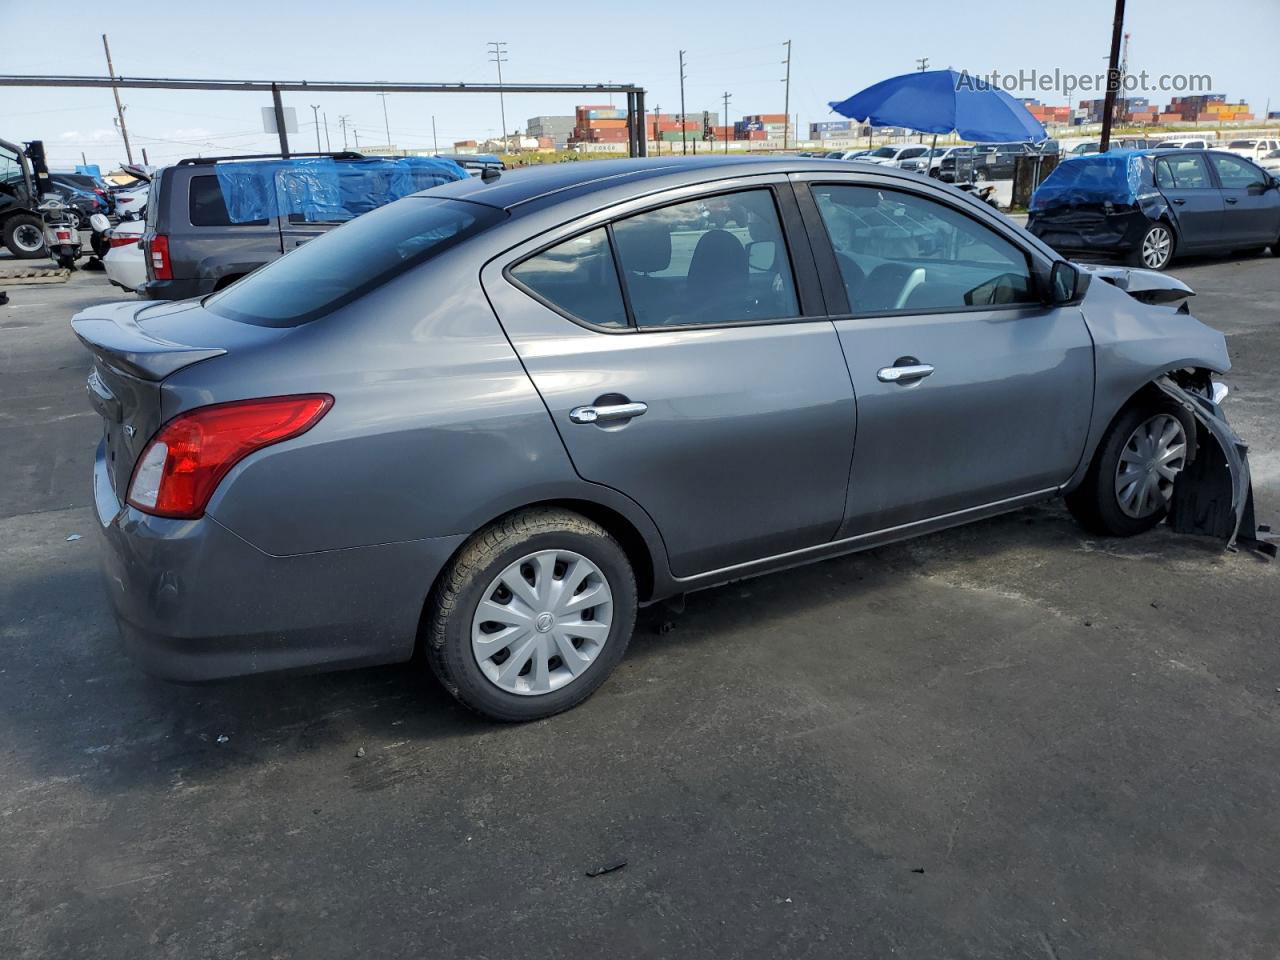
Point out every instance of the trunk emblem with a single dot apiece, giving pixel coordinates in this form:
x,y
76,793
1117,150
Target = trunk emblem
x,y
130,430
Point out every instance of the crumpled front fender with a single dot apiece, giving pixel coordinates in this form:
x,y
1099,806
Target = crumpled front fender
x,y
1213,496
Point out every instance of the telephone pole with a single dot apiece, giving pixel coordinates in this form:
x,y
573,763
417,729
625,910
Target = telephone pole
x,y
111,71
725,119
1113,78
922,64
684,143
327,145
498,55
435,144
786,109
657,134
386,125
356,133
342,122
315,113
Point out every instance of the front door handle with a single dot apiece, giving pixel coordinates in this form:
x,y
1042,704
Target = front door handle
x,y
1179,201
1233,200
904,373
607,413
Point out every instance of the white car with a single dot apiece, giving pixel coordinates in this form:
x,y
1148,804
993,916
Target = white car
x,y
930,161
125,265
1271,162
132,201
1184,144
892,156
1252,149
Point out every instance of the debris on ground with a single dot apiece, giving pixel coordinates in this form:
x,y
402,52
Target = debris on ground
x,y
74,536
607,868
223,738
360,752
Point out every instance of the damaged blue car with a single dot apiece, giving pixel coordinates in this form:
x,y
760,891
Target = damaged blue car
x,y
1148,206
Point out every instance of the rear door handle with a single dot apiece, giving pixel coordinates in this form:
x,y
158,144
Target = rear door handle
x,y
906,373
1232,200
607,413
1179,201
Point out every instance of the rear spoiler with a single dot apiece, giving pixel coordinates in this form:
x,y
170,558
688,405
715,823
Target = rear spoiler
x,y
112,334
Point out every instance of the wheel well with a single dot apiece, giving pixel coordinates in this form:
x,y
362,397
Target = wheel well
x,y
618,526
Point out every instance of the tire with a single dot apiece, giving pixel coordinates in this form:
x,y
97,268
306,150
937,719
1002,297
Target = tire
x,y
21,232
67,263
517,546
1156,248
1097,503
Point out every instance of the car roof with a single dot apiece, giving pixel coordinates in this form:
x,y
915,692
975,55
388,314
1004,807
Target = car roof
x,y
571,179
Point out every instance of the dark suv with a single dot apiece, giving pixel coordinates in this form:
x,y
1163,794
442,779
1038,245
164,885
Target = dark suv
x,y
197,242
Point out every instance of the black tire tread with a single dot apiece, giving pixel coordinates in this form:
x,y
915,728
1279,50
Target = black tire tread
x,y
474,557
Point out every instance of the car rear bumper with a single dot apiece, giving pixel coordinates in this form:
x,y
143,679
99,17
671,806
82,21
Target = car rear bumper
x,y
196,602
176,289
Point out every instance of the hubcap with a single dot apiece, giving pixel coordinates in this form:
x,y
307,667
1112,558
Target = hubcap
x,y
542,622
1156,247
28,238
1149,462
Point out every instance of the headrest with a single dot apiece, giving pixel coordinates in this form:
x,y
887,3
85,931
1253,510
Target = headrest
x,y
643,245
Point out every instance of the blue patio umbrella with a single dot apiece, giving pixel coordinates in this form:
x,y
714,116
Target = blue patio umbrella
x,y
943,101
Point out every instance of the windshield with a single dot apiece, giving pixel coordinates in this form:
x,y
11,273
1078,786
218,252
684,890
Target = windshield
x,y
336,268
885,152
1242,144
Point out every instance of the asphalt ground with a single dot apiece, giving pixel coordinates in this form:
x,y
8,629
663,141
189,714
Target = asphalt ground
x,y
1006,740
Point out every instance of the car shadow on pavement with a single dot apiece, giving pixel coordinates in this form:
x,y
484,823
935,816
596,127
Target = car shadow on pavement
x,y
81,710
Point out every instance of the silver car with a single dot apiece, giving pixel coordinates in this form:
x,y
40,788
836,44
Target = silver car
x,y
490,420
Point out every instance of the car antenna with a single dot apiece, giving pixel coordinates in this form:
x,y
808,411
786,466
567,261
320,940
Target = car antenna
x,y
489,174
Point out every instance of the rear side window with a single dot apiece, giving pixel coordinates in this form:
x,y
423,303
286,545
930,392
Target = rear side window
x,y
577,277
349,261
1183,173
208,208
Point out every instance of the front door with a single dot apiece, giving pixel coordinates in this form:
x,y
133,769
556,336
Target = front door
x,y
970,390
707,385
1184,180
1252,205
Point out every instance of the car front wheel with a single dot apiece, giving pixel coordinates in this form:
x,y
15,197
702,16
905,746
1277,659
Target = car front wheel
x,y
532,615
1130,482
1155,250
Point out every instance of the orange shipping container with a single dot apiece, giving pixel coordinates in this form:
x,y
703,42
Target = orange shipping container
x,y
608,124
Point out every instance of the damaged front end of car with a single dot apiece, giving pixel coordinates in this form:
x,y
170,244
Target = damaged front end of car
x,y
1213,494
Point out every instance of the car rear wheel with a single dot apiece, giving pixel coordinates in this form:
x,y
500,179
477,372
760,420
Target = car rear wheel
x,y
1155,251
532,615
1130,482
24,236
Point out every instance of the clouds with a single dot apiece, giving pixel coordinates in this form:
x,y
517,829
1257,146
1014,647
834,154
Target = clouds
x,y
92,138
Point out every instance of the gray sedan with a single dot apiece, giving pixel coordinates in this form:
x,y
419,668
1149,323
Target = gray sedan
x,y
488,421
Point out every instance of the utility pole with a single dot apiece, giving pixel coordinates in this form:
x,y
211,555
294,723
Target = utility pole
x,y
356,133
145,161
786,109
657,134
435,144
922,64
328,146
725,119
497,55
386,124
342,122
315,113
1113,78
111,71
684,143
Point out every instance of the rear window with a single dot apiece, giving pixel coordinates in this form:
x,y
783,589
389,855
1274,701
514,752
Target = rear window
x,y
349,261
208,207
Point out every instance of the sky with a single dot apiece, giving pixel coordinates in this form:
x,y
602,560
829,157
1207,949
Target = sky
x,y
837,49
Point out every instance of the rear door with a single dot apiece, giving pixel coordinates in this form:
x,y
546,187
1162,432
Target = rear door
x,y
204,242
1186,183
970,390
1252,206
708,385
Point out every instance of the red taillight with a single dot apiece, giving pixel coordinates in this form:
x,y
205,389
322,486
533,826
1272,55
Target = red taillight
x,y
184,463
158,257
63,235
122,241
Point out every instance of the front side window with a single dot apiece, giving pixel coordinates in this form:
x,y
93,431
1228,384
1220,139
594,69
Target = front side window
x,y
715,260
345,263
899,251
1237,174
577,277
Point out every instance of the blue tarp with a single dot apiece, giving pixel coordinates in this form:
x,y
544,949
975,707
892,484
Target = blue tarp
x,y
1118,177
323,189
944,101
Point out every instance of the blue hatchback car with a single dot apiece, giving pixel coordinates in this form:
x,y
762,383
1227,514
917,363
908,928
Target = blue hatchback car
x,y
1148,206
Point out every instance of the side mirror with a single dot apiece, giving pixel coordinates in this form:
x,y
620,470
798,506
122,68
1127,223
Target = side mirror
x,y
1067,284
761,254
